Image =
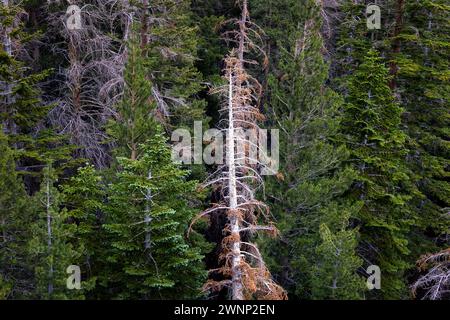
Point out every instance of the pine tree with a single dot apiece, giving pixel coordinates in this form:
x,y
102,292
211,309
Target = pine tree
x,y
50,250
316,256
136,111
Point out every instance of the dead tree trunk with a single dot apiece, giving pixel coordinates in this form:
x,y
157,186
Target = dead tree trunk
x,y
242,263
236,272
93,80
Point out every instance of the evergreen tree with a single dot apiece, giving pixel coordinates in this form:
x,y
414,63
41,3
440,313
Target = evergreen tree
x,y
149,203
408,32
83,197
136,111
422,79
316,257
372,129
22,112
15,273
170,48
148,212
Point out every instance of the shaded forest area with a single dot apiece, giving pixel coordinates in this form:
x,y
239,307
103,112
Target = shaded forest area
x,y
92,91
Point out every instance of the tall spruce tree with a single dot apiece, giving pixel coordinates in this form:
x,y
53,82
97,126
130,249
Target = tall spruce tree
x,y
316,256
148,213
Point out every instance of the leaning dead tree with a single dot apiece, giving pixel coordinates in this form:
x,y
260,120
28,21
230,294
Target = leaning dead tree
x,y
242,266
91,38
436,282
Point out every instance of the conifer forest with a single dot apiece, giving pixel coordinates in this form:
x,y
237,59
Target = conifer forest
x,y
224,149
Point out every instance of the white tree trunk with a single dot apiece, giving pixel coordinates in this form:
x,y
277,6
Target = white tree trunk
x,y
236,289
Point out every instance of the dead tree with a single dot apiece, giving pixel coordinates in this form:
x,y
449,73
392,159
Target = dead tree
x,y
87,90
242,265
436,282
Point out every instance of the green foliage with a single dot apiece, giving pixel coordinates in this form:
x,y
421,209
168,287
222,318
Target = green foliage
x,y
336,258
170,59
423,82
364,147
372,130
148,212
84,196
22,112
150,204
50,250
305,198
15,274
5,288
136,110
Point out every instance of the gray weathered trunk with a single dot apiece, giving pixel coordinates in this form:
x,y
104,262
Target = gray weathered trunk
x,y
236,287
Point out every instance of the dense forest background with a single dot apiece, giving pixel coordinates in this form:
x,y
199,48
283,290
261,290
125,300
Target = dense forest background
x,y
87,179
